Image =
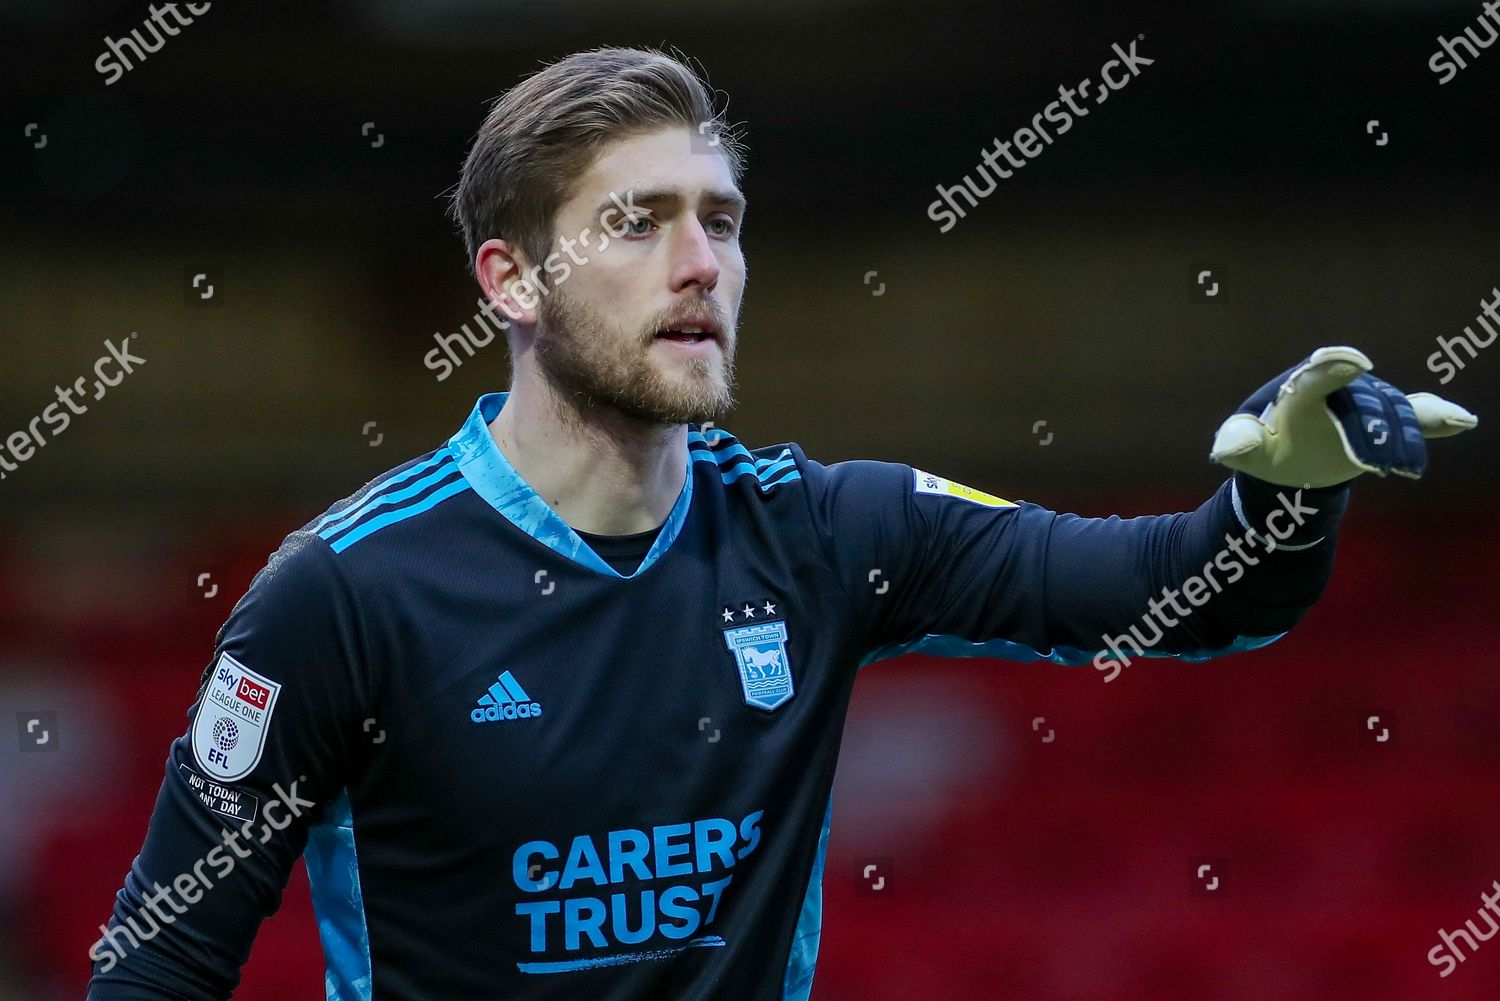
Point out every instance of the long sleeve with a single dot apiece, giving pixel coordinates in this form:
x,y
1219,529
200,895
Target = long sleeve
x,y
935,566
268,744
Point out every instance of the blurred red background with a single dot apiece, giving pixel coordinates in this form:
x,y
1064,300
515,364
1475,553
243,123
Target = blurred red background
x,y
1014,865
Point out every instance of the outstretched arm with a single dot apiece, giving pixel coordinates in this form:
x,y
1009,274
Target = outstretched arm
x,y
968,574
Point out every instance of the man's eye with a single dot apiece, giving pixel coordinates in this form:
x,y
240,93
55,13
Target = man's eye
x,y
721,226
638,225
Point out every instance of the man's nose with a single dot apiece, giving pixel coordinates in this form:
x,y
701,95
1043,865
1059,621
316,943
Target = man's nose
x,y
694,263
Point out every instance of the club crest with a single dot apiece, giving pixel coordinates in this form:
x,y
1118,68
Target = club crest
x,y
765,670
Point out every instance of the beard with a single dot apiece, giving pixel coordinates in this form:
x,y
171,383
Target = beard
x,y
593,368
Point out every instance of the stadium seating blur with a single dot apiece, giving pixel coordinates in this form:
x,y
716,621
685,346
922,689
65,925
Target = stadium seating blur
x,y
1061,868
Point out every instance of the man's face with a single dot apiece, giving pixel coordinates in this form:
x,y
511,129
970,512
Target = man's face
x,y
642,301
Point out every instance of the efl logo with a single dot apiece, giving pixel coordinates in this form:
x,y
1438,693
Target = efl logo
x,y
229,731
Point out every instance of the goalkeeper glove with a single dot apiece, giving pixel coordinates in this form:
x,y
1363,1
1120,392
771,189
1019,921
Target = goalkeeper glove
x,y
1325,421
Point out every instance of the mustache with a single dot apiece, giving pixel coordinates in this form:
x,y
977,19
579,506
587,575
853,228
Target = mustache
x,y
678,314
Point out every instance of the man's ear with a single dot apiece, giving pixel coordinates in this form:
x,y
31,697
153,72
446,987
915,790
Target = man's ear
x,y
502,270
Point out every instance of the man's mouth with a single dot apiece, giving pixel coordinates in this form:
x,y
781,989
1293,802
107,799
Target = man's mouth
x,y
690,332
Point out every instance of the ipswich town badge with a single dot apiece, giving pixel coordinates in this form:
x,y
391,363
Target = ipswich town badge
x,y
765,671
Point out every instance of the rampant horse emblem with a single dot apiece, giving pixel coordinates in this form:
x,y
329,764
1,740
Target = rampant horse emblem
x,y
765,670
762,659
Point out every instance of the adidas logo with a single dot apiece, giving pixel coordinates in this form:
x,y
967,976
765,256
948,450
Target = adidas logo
x,y
506,699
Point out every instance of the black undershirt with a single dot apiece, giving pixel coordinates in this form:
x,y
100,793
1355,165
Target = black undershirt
x,y
622,552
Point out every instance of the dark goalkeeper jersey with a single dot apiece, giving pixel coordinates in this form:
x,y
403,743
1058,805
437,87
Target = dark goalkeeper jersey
x,y
517,773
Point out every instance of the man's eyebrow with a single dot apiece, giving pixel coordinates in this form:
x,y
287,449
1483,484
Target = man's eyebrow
x,y
671,197
730,197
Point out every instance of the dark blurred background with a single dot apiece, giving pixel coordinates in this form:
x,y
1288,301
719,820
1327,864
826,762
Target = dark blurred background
x,y
297,156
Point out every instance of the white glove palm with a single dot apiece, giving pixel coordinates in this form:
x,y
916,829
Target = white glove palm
x,y
1327,420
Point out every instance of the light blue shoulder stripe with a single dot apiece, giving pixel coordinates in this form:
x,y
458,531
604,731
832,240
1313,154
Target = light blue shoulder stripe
x,y
338,901
388,498
490,473
376,488
429,502
723,447
740,467
767,468
802,960
795,474
938,645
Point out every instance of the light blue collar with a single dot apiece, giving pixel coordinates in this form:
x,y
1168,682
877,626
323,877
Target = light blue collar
x,y
492,476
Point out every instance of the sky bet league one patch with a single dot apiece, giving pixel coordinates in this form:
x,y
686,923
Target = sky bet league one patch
x,y
230,731
927,483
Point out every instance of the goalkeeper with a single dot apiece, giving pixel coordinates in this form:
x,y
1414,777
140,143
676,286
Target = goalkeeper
x,y
477,694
